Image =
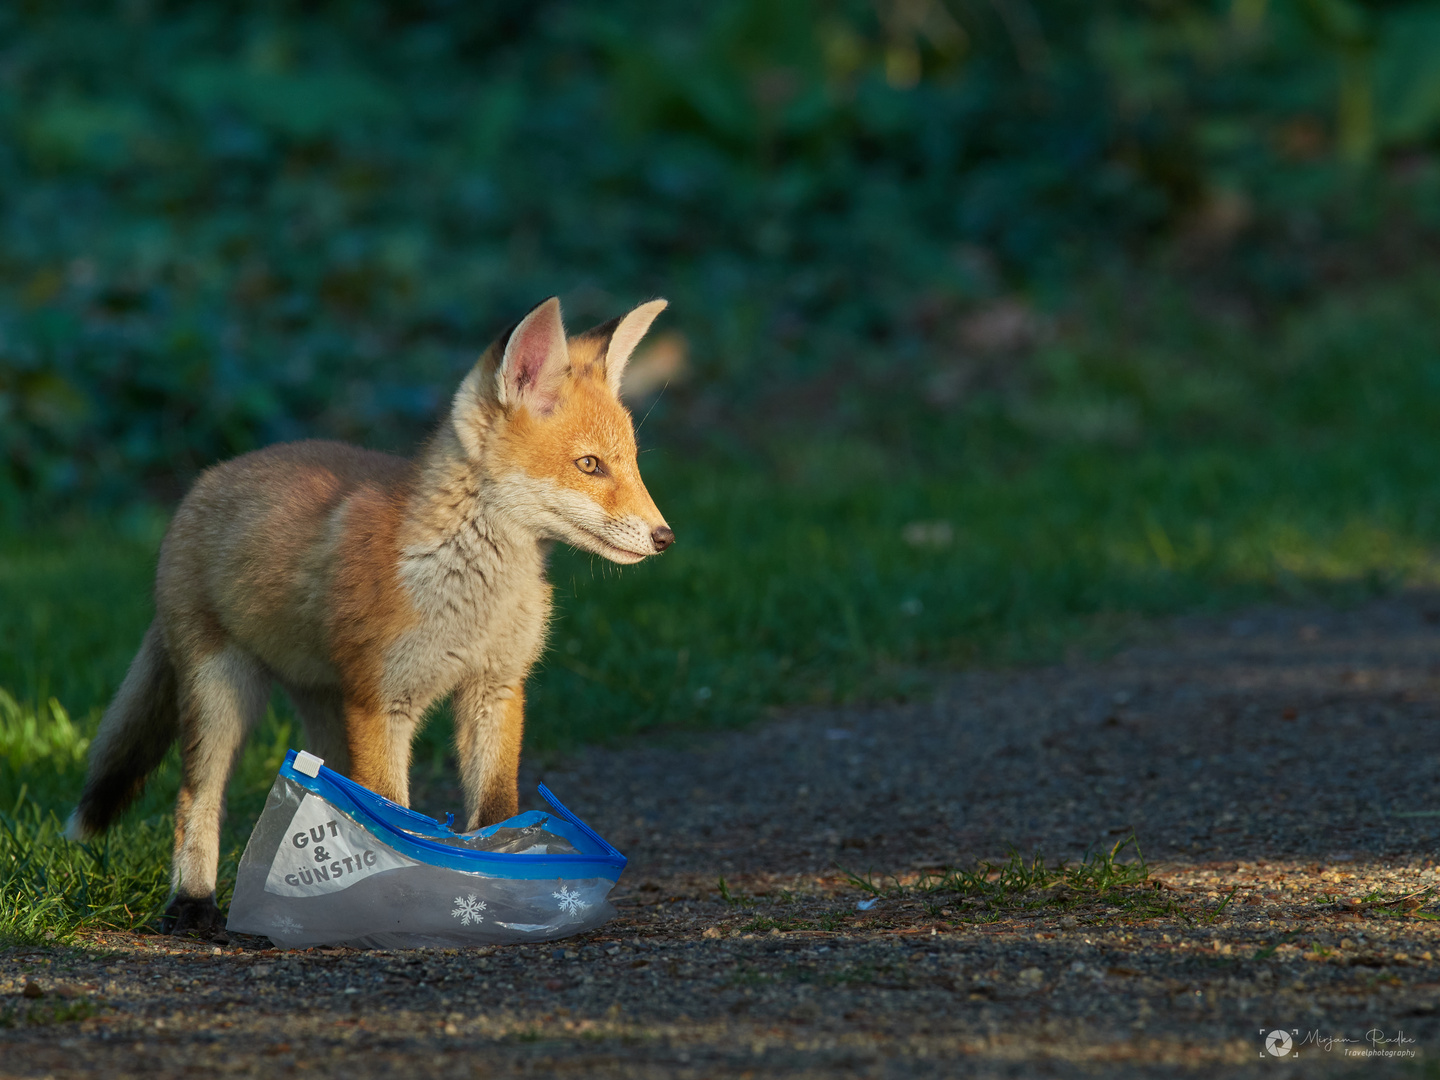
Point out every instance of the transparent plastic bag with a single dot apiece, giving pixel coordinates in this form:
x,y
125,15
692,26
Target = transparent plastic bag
x,y
332,863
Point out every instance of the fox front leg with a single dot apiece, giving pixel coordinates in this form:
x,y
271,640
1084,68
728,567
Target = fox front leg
x,y
377,739
489,726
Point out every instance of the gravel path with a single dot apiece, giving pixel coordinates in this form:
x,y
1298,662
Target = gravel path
x,y
1279,771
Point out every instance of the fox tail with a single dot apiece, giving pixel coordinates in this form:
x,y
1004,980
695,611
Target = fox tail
x,y
135,732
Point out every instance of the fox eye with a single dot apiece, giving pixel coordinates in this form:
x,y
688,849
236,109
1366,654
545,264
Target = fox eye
x,y
588,464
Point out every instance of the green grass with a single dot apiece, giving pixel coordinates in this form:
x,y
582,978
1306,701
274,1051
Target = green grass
x,y
1118,878
51,888
1105,887
1146,462
38,1014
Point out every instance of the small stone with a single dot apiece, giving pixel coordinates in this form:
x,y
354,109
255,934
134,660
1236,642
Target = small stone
x,y
711,932
32,989
1032,976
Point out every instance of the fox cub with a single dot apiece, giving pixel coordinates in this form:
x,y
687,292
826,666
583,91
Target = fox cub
x,y
370,587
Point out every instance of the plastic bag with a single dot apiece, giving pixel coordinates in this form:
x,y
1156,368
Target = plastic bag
x,y
332,863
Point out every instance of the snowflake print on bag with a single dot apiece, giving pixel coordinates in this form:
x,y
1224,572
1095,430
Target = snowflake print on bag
x,y
570,902
285,924
468,909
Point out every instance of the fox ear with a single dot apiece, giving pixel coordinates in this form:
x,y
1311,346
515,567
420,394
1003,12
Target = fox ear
x,y
535,361
627,335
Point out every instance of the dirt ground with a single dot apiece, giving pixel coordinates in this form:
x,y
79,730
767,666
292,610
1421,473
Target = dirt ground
x,y
1278,769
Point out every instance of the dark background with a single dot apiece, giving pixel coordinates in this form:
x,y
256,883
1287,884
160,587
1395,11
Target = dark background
x,y
226,225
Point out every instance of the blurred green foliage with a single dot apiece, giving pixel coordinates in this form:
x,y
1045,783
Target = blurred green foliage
x,y
223,225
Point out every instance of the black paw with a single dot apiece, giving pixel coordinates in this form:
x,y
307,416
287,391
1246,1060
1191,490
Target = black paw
x,y
189,916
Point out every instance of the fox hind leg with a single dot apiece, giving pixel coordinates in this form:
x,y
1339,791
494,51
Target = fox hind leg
x,y
322,713
222,697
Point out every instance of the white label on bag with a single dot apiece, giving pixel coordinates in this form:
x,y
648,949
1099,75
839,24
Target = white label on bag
x,y
325,851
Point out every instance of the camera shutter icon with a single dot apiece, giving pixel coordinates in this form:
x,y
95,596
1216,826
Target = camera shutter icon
x,y
1278,1043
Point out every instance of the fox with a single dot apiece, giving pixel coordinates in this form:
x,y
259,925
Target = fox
x,y
370,587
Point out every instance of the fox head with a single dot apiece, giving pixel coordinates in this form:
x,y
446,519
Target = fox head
x,y
540,416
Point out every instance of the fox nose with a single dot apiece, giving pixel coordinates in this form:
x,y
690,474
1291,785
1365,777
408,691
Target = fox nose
x,y
662,537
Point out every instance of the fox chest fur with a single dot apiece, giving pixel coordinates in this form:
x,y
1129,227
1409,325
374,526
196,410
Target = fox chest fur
x,y
481,605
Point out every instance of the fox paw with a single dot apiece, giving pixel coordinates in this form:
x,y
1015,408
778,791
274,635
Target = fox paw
x,y
199,917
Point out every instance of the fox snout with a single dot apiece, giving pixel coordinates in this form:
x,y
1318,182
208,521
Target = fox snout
x,y
661,537
629,539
